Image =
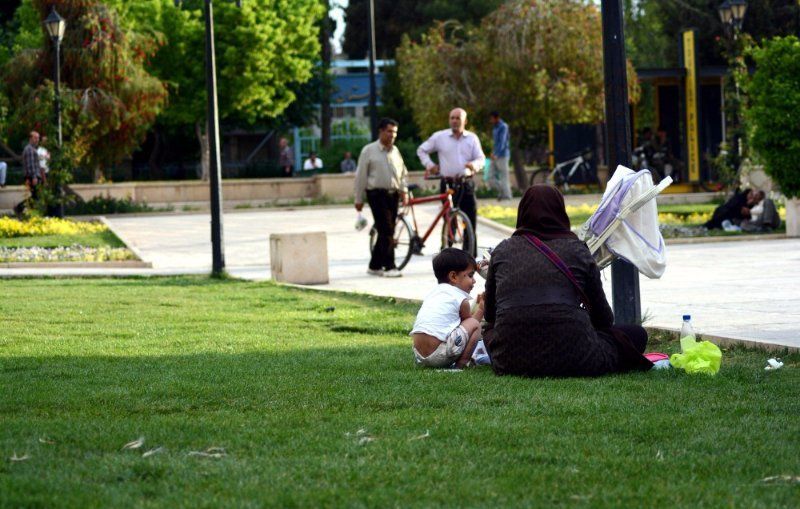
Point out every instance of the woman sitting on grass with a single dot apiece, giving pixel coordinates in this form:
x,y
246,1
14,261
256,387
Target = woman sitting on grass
x,y
550,320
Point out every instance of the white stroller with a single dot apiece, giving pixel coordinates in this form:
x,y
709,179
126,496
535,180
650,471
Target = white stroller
x,y
625,224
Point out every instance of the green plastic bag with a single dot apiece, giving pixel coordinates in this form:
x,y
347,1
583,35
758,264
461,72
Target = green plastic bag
x,y
697,357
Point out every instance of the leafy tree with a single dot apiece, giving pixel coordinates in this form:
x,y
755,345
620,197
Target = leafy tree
x,y
396,18
533,60
646,43
109,100
774,109
764,19
265,50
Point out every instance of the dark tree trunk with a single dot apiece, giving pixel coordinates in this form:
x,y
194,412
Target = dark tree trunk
x,y
155,155
518,161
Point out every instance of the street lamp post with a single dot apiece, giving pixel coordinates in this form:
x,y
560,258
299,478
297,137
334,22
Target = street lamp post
x,y
56,26
624,278
215,164
731,13
373,94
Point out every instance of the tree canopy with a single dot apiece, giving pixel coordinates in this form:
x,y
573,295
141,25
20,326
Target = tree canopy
x,y
534,60
396,18
109,99
654,27
775,109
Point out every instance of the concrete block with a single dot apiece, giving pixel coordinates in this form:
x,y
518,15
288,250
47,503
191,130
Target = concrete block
x,y
299,258
793,217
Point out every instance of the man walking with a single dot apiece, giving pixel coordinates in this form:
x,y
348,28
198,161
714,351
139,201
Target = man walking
x,y
31,167
286,158
381,175
498,170
460,157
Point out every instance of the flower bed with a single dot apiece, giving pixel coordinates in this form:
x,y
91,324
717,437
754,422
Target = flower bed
x,y
47,240
74,253
39,226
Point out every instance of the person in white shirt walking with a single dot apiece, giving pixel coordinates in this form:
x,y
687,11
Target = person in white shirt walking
x,y
381,175
460,157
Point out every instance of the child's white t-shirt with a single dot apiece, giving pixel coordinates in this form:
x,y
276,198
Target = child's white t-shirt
x,y
439,313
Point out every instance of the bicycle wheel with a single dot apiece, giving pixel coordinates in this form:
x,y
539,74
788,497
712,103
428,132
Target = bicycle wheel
x,y
540,177
457,232
402,240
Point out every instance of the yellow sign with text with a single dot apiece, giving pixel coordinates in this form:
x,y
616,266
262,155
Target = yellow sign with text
x,y
692,124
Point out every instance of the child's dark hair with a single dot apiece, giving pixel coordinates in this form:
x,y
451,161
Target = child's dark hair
x,y
451,259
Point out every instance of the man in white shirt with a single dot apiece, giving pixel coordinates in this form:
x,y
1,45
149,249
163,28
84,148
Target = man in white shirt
x,y
381,176
460,157
313,163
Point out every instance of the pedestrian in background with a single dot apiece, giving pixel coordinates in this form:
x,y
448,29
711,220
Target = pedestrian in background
x,y
498,169
312,164
31,167
381,175
286,158
348,164
460,157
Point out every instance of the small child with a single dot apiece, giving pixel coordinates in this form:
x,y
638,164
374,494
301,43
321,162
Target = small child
x,y
445,332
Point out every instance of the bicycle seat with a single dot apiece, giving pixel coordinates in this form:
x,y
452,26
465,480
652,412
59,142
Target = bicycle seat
x,y
413,187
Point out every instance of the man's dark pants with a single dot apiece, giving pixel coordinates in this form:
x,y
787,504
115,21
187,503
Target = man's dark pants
x,y
384,205
464,199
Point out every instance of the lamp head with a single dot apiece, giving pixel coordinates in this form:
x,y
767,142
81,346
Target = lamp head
x,y
725,13
738,10
55,25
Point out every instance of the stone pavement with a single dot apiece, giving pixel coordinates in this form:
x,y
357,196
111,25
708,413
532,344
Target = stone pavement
x,y
744,290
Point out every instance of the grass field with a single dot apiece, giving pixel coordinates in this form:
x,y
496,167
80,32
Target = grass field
x,y
307,399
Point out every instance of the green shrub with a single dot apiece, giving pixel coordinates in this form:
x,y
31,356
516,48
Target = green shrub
x,y
775,110
107,205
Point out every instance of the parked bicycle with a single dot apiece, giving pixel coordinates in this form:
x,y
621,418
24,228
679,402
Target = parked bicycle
x,y
457,229
576,170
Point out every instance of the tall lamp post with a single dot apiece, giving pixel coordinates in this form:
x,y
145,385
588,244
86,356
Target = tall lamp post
x,y
624,278
732,13
215,164
56,26
373,93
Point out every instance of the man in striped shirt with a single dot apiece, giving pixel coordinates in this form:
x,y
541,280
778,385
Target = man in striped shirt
x,y
30,165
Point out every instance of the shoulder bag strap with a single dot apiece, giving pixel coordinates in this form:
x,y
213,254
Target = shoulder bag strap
x,y
559,263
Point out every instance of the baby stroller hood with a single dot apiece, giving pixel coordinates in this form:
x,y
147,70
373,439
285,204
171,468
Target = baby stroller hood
x,y
626,222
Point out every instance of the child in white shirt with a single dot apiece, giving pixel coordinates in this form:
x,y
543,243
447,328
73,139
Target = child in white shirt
x,y
445,331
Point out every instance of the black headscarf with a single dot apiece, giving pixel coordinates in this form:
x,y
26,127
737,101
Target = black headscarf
x,y
542,213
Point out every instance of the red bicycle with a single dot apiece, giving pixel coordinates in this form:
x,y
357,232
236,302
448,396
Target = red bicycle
x,y
457,229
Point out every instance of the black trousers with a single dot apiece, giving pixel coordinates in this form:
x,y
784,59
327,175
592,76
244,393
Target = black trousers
x,y
384,205
636,334
464,199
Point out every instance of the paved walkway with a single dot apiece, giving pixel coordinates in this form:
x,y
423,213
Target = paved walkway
x,y
743,290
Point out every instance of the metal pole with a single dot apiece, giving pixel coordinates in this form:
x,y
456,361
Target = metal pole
x,y
624,278
373,100
57,82
215,178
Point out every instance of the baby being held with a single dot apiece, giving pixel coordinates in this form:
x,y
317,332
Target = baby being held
x,y
445,332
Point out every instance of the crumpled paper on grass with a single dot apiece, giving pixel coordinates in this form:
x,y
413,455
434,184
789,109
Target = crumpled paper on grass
x,y
698,357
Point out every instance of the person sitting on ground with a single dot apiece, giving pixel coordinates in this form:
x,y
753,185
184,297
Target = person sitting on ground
x,y
348,164
735,210
763,215
445,332
313,163
546,312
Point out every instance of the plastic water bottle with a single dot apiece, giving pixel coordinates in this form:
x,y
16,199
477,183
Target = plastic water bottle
x,y
686,329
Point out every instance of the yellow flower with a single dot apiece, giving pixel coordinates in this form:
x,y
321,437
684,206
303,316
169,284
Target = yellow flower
x,y
38,226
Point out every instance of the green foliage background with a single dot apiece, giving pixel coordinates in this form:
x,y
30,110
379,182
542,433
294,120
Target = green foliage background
x,y
775,110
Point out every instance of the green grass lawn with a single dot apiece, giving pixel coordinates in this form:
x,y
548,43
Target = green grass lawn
x,y
316,402
95,239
